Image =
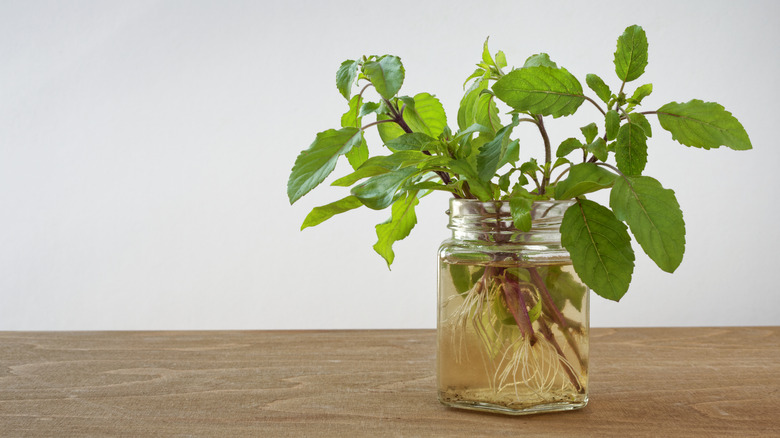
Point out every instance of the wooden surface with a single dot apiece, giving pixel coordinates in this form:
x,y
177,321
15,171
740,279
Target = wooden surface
x,y
644,382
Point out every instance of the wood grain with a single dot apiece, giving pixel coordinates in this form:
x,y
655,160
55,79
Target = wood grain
x,y
682,382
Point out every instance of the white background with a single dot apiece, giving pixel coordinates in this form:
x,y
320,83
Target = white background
x,y
145,148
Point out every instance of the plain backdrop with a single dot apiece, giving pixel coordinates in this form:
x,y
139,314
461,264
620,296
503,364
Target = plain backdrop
x,y
145,148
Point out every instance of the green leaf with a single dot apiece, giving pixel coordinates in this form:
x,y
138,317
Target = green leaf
x,y
378,192
598,86
358,154
540,59
400,224
468,104
345,77
567,146
486,112
461,278
600,248
486,58
320,214
640,93
584,178
500,59
368,108
631,149
387,75
414,141
529,166
599,149
491,152
476,127
631,54
641,120
564,287
654,216
380,165
612,124
703,125
425,114
388,131
520,208
540,90
510,154
317,162
351,118
590,132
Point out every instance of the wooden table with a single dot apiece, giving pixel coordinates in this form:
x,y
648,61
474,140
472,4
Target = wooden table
x,y
644,382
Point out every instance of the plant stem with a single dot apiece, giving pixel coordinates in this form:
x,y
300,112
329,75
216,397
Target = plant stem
x,y
548,334
547,300
596,105
517,306
547,154
398,118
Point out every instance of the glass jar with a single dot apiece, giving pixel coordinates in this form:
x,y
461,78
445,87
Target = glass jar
x,y
513,315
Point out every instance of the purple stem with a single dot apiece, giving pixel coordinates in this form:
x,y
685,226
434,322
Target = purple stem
x,y
546,298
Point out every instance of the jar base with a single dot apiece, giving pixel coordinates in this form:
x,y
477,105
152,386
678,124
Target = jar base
x,y
538,408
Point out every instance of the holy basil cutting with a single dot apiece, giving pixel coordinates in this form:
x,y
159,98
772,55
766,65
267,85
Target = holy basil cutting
x,y
480,159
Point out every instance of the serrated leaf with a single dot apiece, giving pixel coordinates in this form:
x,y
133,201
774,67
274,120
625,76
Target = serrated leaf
x,y
590,132
631,54
388,131
400,224
475,128
567,146
358,154
478,73
529,166
322,213
486,58
584,178
345,77
598,86
387,75
314,164
468,104
425,114
703,125
500,59
490,153
378,192
368,108
520,208
641,120
631,149
540,90
600,248
351,118
654,216
599,149
540,59
640,93
486,112
612,124
380,165
510,154
413,141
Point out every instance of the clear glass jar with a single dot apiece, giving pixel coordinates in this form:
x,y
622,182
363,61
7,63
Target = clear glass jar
x,y
513,315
